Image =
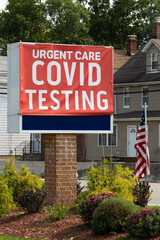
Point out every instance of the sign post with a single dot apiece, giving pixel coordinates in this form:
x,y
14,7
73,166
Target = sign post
x,y
60,90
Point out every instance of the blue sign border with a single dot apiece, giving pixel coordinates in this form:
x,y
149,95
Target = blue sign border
x,y
87,124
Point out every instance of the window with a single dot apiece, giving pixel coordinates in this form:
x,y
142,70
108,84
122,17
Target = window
x,y
108,139
154,61
126,98
144,96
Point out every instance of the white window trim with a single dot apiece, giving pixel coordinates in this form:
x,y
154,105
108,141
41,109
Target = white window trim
x,y
106,145
142,105
153,70
125,106
115,102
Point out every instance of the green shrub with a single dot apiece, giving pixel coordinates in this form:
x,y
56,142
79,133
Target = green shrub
x,y
118,180
6,199
110,215
18,181
59,208
141,193
57,212
31,200
88,205
144,224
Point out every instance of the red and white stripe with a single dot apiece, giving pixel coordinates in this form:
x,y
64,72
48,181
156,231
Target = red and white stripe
x,y
142,168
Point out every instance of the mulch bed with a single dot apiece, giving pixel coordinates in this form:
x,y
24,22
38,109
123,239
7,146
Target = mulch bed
x,y
19,224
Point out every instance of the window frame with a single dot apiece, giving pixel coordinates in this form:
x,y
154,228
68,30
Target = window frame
x,y
142,96
125,93
106,144
153,61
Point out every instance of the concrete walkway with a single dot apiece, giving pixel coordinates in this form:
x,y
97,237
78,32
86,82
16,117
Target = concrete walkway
x,y
155,197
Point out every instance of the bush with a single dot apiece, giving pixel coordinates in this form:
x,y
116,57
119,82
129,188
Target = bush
x,y
88,205
18,181
110,215
59,208
32,200
144,224
57,212
141,193
6,199
118,180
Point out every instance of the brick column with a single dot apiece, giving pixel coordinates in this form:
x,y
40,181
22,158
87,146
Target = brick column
x,y
61,165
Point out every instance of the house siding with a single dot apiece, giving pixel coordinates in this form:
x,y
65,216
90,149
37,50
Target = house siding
x,y
8,141
121,149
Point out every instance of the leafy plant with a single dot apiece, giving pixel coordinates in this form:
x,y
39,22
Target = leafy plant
x,y
110,215
18,181
144,224
32,200
118,180
141,193
6,199
88,205
59,208
57,212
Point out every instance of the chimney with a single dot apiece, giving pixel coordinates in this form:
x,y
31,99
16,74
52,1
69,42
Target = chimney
x,y
131,45
156,28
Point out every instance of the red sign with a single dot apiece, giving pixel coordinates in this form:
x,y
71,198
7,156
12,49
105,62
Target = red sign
x,y
65,80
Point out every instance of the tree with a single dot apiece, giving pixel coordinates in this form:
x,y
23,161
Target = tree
x,y
25,21
99,20
130,17
70,22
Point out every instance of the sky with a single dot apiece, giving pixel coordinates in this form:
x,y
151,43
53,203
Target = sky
x,y
4,2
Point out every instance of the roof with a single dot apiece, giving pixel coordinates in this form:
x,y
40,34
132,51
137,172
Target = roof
x,y
137,114
120,58
134,70
156,42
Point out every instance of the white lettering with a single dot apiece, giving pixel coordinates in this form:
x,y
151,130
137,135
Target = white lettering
x,y
90,79
104,101
41,100
34,72
49,78
69,77
30,97
90,101
67,93
55,100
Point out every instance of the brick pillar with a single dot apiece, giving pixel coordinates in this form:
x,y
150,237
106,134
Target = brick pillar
x,y
61,165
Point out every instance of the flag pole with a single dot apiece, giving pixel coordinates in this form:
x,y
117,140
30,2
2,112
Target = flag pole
x,y
146,133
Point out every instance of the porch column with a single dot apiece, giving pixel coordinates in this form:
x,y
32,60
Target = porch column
x,y
61,166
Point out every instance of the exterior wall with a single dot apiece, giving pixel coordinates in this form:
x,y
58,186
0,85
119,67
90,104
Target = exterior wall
x,y
96,153
154,98
135,100
8,141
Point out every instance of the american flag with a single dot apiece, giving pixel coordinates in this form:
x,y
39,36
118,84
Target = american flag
x,y
142,168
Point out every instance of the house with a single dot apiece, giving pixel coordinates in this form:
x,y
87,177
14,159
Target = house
x,y
9,142
137,82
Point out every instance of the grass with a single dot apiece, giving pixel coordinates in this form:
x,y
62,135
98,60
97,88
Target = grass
x,y
14,238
